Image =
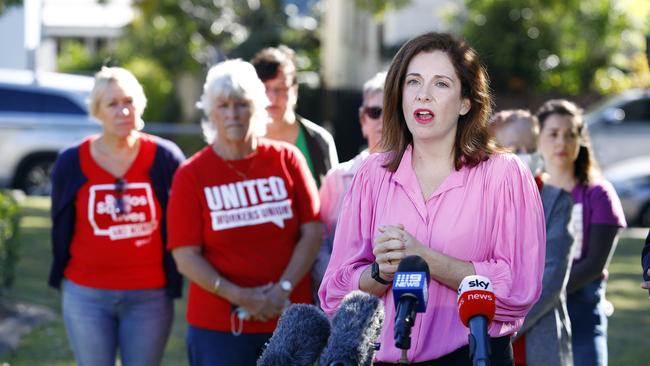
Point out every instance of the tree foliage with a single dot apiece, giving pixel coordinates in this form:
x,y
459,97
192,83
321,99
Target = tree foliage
x,y
169,38
546,45
379,7
189,35
4,4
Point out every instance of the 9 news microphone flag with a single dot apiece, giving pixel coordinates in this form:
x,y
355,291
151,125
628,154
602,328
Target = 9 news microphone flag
x,y
410,287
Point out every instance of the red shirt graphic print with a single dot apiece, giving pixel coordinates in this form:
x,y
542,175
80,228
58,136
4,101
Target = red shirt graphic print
x,y
117,243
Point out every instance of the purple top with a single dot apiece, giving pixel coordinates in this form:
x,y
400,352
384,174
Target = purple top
x,y
594,204
490,215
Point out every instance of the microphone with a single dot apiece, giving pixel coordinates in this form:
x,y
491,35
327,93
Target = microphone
x,y
476,307
355,328
410,287
299,338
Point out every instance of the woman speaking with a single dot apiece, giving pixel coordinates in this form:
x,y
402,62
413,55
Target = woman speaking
x,y
440,190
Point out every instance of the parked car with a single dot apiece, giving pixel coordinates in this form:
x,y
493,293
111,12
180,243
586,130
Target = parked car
x,y
631,179
40,113
620,127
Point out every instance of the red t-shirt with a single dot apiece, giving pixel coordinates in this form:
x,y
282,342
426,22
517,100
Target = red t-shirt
x,y
113,250
246,216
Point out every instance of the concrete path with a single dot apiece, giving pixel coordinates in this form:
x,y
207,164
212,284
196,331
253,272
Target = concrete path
x,y
23,319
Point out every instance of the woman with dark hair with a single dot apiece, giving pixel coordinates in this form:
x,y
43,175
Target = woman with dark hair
x,y
545,337
442,191
596,220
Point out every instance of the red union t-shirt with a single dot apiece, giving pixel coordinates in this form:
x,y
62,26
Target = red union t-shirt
x,y
113,250
246,216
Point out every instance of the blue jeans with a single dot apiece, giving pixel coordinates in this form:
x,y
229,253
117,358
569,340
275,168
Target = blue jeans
x,y
588,325
99,322
212,348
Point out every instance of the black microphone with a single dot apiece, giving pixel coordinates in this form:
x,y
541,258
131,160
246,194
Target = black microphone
x,y
476,308
299,338
410,287
355,328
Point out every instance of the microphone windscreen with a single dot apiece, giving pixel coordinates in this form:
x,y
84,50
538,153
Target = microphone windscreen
x,y
355,328
414,263
299,338
476,297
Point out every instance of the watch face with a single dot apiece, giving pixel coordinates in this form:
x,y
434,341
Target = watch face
x,y
374,270
286,285
374,273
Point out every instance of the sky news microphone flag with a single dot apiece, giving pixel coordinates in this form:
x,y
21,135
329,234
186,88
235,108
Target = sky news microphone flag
x,y
476,307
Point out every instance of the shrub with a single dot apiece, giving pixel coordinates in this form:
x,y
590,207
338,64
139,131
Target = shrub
x,y
9,219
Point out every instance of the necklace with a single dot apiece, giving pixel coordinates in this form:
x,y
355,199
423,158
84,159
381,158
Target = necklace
x,y
116,161
242,174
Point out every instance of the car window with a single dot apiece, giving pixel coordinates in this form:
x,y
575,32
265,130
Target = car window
x,y
637,111
12,100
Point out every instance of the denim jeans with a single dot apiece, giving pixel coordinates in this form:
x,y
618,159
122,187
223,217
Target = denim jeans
x,y
207,347
588,325
99,322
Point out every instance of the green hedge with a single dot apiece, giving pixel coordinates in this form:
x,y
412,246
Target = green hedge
x,y
9,218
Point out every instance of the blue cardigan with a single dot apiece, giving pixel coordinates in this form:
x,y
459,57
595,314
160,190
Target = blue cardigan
x,y
67,179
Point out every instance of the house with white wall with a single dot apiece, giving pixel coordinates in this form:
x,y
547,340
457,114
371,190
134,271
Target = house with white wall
x,y
46,23
356,45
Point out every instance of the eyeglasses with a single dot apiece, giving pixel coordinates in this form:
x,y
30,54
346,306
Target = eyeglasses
x,y
373,112
281,91
120,186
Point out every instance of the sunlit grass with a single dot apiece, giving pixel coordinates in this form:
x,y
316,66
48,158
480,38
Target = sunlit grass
x,y
47,344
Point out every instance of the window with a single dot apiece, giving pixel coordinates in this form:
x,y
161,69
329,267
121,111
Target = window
x,y
637,111
15,100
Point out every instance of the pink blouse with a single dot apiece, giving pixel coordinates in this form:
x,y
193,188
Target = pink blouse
x,y
490,215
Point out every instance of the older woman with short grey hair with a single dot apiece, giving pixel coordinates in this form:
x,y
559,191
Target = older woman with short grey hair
x,y
243,223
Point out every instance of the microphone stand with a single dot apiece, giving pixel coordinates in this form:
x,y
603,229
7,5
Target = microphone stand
x,y
403,359
479,351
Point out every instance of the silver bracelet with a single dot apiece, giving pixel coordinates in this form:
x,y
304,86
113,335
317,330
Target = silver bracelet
x,y
217,284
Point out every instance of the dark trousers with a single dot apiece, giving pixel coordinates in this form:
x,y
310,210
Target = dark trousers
x,y
501,355
212,348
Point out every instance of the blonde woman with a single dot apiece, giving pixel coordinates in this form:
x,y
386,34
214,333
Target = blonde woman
x,y
109,195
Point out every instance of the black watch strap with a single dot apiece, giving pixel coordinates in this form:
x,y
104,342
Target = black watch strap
x,y
374,273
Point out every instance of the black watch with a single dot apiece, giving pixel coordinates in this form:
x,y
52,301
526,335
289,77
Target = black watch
x,y
374,273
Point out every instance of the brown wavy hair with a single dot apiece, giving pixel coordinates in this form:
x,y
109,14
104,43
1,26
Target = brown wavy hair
x,y
473,143
585,167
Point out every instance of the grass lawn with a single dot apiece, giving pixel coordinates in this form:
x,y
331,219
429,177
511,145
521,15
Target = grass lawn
x,y
629,326
47,345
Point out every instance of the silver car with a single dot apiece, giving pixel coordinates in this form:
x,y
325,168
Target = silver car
x,y
40,113
620,127
631,179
